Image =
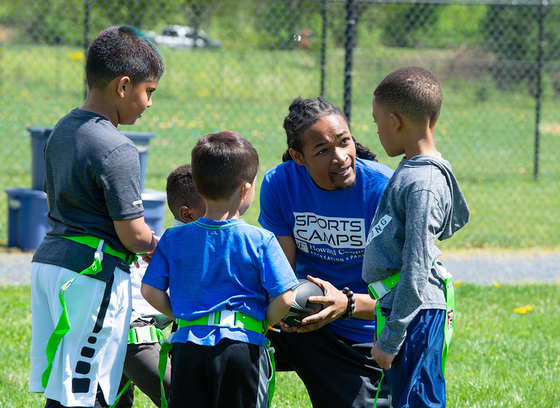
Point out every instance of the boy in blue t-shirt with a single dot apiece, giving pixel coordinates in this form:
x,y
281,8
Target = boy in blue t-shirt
x,y
143,351
221,274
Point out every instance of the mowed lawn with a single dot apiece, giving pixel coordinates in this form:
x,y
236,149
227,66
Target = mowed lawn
x,y
504,351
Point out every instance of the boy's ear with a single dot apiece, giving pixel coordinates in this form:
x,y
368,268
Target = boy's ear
x,y
395,121
296,156
122,85
243,189
185,214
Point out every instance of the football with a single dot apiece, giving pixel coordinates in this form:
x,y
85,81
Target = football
x,y
301,308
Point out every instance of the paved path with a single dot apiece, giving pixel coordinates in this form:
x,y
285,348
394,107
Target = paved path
x,y
15,268
485,267
504,267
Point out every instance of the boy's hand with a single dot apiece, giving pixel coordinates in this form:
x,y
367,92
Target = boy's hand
x,y
383,358
146,257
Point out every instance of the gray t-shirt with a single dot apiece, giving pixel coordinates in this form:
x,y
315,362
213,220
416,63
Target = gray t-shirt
x,y
421,204
92,179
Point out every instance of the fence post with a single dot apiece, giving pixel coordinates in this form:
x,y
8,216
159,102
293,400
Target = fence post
x,y
323,45
540,57
86,38
349,48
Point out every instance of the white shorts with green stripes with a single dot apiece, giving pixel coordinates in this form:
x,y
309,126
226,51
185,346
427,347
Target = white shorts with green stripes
x,y
92,353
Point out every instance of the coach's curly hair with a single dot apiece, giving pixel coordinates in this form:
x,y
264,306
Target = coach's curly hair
x,y
304,113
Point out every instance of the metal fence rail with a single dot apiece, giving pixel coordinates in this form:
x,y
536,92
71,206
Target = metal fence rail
x,y
241,62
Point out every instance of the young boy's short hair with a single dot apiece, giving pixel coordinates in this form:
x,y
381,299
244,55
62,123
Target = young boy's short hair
x,y
180,190
411,91
119,51
221,162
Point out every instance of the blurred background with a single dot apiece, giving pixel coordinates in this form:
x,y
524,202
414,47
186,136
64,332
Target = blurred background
x,y
238,64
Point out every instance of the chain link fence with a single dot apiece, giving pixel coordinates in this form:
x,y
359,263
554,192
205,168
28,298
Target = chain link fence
x,y
237,65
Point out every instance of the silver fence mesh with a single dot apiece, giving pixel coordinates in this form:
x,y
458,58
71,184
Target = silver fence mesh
x,y
237,65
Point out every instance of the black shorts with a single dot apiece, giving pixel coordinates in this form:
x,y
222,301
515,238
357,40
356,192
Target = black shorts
x,y
229,375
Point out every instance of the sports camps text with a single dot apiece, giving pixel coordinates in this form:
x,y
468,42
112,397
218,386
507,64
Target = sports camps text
x,y
334,232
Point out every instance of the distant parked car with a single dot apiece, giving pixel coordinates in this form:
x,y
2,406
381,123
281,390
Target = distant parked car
x,y
183,36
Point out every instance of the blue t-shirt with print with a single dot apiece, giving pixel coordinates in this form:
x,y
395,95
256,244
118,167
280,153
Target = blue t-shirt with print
x,y
329,227
210,266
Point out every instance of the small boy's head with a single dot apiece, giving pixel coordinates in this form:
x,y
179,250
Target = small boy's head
x,y
183,200
122,51
411,92
221,163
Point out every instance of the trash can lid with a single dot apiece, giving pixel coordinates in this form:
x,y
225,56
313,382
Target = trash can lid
x,y
40,132
141,138
154,195
24,192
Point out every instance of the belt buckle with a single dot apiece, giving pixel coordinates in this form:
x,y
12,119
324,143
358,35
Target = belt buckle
x,y
144,335
377,290
223,318
227,318
445,275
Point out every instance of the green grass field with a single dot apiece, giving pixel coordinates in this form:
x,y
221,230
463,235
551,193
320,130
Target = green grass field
x,y
504,351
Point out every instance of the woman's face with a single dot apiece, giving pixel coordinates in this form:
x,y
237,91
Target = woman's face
x,y
329,154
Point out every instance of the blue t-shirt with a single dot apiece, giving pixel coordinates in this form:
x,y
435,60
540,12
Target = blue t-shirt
x,y
329,227
210,266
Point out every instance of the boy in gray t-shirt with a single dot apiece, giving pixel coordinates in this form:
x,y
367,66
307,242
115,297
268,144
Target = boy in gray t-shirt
x,y
421,204
92,182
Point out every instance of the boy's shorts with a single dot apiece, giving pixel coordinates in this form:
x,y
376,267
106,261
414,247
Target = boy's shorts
x,y
92,353
230,374
416,376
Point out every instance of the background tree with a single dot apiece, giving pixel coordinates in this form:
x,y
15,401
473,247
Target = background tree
x,y
404,23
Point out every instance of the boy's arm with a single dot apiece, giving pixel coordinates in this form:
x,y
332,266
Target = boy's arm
x,y
159,299
278,307
135,235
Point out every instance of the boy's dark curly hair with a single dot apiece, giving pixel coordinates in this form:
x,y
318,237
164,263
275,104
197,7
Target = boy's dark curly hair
x,y
413,92
181,190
